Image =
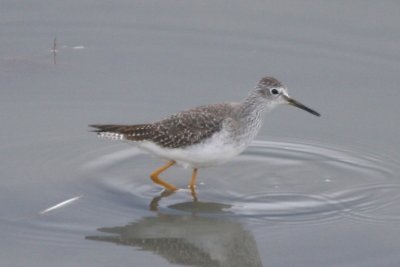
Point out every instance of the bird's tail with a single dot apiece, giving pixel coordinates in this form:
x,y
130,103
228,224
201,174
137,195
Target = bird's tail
x,y
136,132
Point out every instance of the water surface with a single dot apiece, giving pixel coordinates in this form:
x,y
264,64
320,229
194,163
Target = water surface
x,y
309,192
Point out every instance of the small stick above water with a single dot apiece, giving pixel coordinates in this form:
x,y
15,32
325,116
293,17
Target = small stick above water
x,y
54,51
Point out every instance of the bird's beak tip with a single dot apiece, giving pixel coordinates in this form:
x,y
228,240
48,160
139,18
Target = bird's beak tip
x,y
297,104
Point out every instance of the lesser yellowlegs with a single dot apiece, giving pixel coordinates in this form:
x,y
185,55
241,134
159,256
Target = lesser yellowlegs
x,y
207,135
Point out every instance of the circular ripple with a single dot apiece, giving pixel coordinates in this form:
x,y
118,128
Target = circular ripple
x,y
276,180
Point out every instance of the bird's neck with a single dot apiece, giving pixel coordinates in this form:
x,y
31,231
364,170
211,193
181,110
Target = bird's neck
x,y
250,116
252,108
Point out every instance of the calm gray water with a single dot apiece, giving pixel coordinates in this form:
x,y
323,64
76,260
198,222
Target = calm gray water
x,y
309,192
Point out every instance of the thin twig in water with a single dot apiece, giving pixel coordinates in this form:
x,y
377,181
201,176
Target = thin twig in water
x,y
54,51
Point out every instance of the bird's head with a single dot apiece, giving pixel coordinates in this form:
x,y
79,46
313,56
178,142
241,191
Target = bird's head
x,y
274,93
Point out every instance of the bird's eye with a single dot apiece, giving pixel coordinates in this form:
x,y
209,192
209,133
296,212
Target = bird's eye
x,y
274,91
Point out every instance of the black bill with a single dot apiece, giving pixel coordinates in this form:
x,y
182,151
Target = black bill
x,y
293,102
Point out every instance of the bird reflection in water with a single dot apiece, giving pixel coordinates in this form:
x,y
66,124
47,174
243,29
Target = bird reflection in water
x,y
196,236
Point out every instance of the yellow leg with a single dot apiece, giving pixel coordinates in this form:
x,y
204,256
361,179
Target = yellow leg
x,y
194,194
192,184
154,176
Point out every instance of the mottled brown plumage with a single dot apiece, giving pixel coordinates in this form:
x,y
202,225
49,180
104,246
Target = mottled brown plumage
x,y
177,131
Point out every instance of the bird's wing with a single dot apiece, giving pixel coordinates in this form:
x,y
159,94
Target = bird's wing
x,y
186,128
179,130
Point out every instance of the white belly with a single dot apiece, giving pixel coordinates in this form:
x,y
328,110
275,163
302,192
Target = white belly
x,y
216,150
